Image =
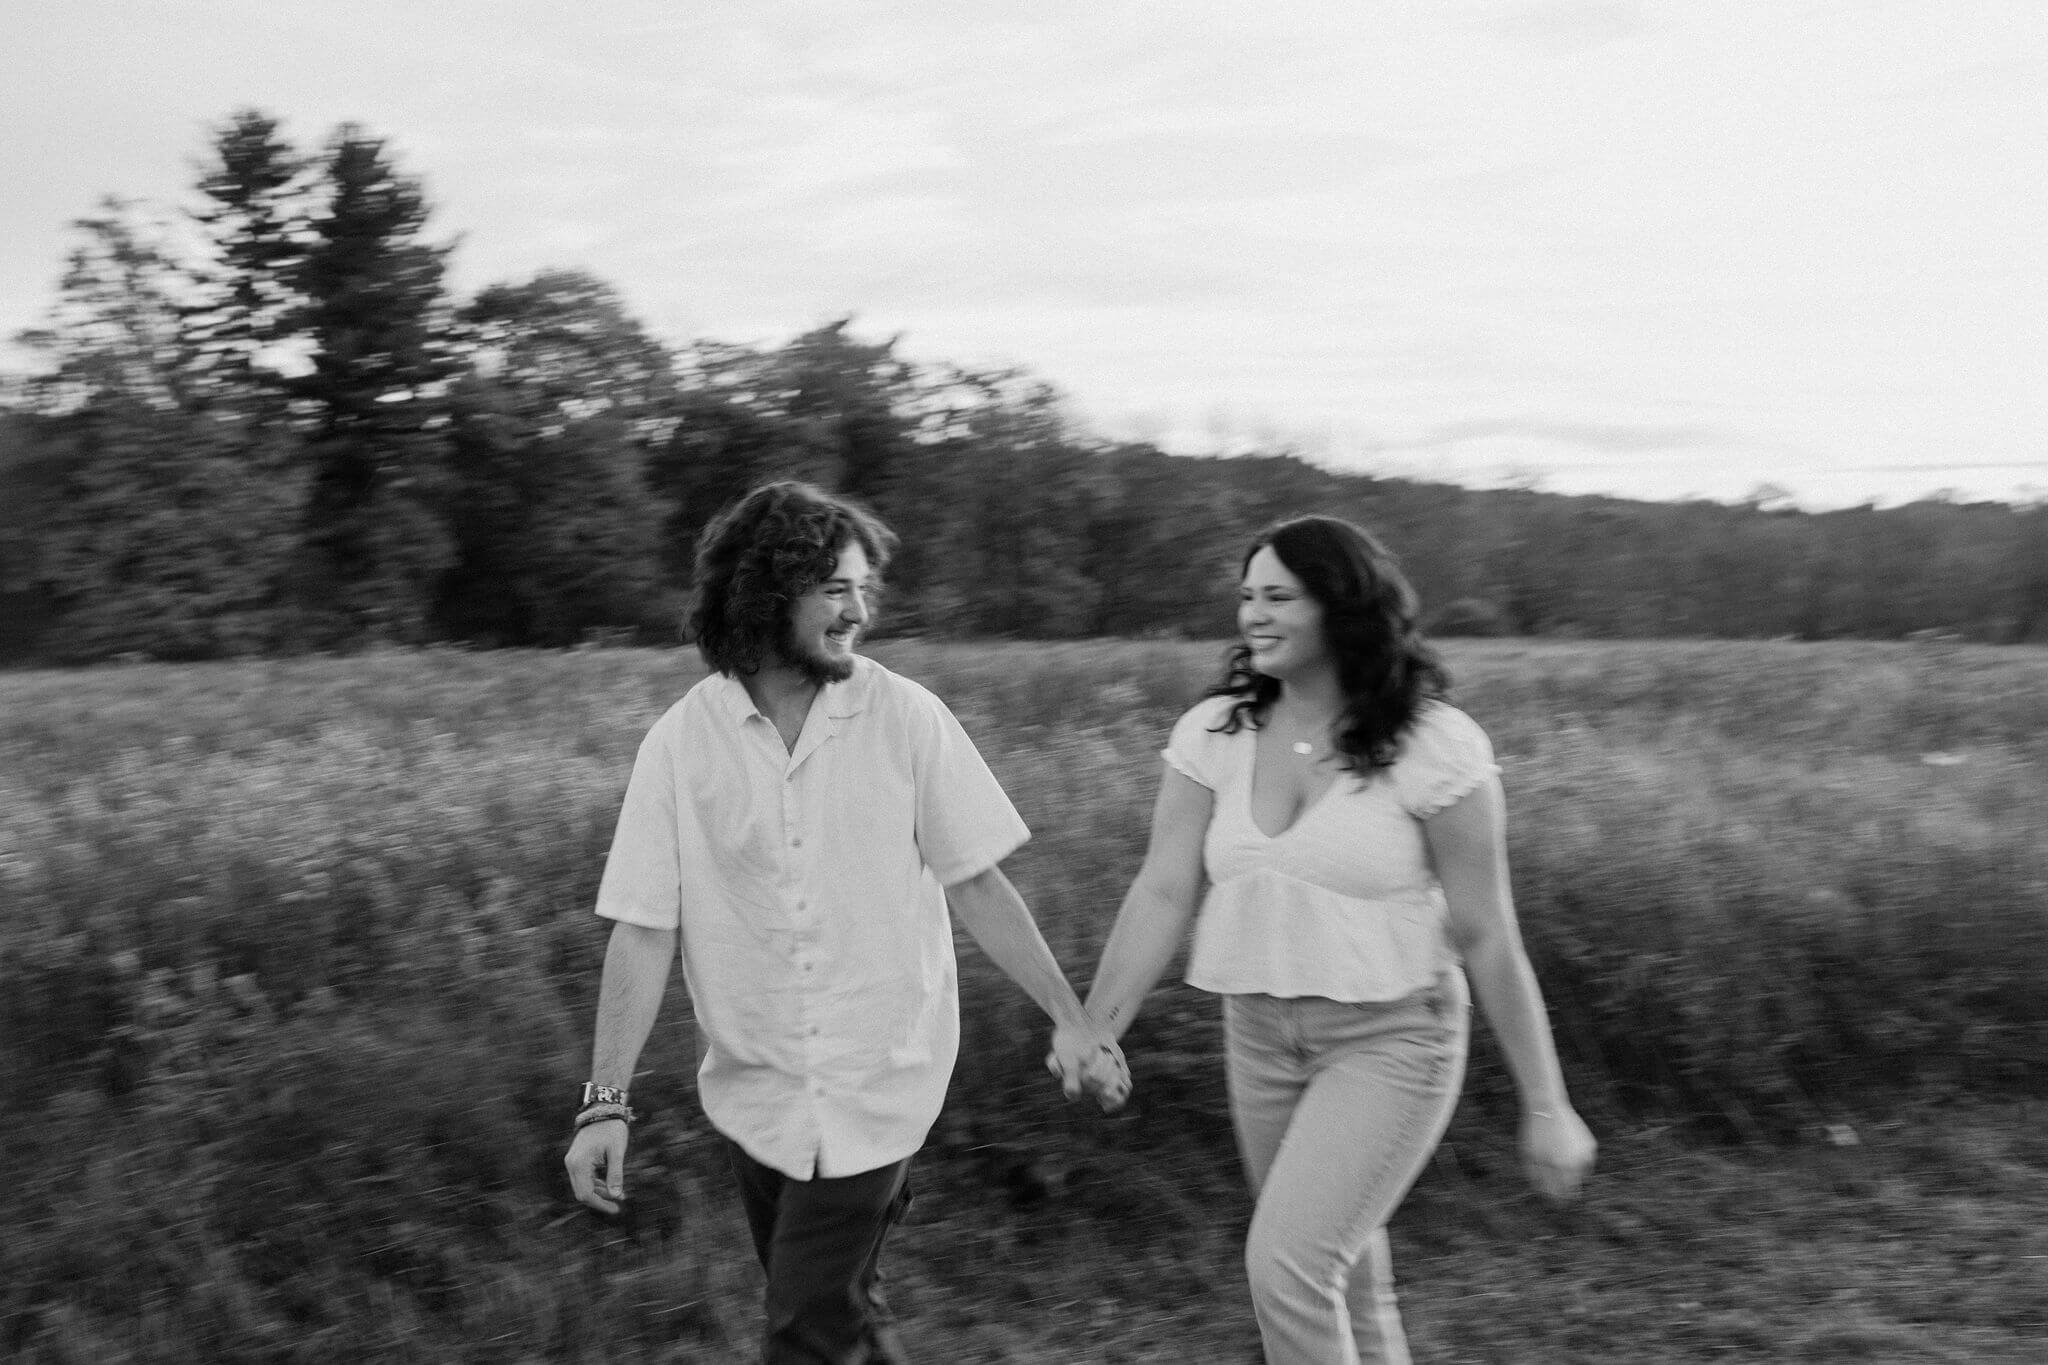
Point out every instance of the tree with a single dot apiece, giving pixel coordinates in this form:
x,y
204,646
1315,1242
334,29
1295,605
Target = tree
x,y
173,534
171,528
721,446
1158,543
554,522
2029,574
114,329
31,483
382,359
999,545
244,329
848,397
563,347
825,407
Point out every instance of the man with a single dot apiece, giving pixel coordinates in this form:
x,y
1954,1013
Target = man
x,y
788,829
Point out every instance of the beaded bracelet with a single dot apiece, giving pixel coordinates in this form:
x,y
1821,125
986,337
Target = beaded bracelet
x,y
598,1113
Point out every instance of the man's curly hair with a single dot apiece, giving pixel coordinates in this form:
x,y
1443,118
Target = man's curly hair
x,y
758,556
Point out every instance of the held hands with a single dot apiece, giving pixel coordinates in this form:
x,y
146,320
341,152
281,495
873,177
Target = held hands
x,y
1557,1152
1087,1060
598,1147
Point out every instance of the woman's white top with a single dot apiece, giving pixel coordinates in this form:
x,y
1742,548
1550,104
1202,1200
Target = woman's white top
x,y
1342,904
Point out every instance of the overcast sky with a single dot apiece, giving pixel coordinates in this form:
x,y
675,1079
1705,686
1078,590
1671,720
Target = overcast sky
x,y
1653,249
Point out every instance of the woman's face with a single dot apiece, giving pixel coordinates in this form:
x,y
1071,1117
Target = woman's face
x,y
1278,619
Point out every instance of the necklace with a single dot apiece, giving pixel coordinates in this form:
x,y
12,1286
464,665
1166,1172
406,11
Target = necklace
x,y
1303,747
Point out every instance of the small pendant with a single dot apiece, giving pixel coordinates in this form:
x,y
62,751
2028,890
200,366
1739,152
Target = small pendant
x,y
1303,747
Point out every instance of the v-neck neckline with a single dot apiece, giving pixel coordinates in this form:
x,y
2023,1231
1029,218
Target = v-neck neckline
x,y
1306,809
817,726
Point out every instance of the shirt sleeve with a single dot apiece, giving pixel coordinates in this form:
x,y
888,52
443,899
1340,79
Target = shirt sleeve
x,y
1445,756
642,881
1192,750
965,822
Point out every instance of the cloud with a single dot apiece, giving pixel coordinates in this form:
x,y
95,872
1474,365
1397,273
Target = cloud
x,y
1585,435
1650,243
1567,25
2022,465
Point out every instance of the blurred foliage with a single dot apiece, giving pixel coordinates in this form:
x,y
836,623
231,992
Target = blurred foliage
x,y
267,428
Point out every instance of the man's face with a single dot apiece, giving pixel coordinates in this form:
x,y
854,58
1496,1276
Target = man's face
x,y
825,622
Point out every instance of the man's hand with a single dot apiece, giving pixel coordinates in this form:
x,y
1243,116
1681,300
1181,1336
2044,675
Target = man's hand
x,y
1088,1061
599,1147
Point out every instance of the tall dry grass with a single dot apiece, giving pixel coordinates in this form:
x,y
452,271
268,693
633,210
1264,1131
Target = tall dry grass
x,y
296,965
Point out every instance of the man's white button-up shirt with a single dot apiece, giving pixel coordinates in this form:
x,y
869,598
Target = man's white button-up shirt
x,y
806,887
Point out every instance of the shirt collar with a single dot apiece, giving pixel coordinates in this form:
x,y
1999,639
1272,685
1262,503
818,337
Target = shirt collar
x,y
840,699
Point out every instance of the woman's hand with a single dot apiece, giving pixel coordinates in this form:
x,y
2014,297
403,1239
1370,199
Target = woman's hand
x,y
1557,1152
1088,1061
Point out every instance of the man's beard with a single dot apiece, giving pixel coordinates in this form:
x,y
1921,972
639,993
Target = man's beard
x,y
815,669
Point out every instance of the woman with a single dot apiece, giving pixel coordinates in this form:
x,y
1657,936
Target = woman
x,y
1350,825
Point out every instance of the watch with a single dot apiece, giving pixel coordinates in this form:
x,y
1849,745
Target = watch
x,y
593,1093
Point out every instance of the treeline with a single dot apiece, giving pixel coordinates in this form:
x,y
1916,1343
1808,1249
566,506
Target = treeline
x,y
267,426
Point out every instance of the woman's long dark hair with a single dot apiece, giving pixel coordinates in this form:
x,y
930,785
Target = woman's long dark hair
x,y
1384,666
763,552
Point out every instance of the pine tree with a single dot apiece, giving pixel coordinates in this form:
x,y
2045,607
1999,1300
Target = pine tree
x,y
245,329
382,358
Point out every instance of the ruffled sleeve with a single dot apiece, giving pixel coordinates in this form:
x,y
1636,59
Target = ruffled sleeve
x,y
1194,750
1445,756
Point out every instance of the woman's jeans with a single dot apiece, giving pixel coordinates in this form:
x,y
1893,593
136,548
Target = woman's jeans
x,y
1337,1106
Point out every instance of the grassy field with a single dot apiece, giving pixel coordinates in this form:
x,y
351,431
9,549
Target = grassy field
x,y
297,969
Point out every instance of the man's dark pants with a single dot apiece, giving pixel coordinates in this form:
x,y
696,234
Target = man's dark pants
x,y
820,1241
